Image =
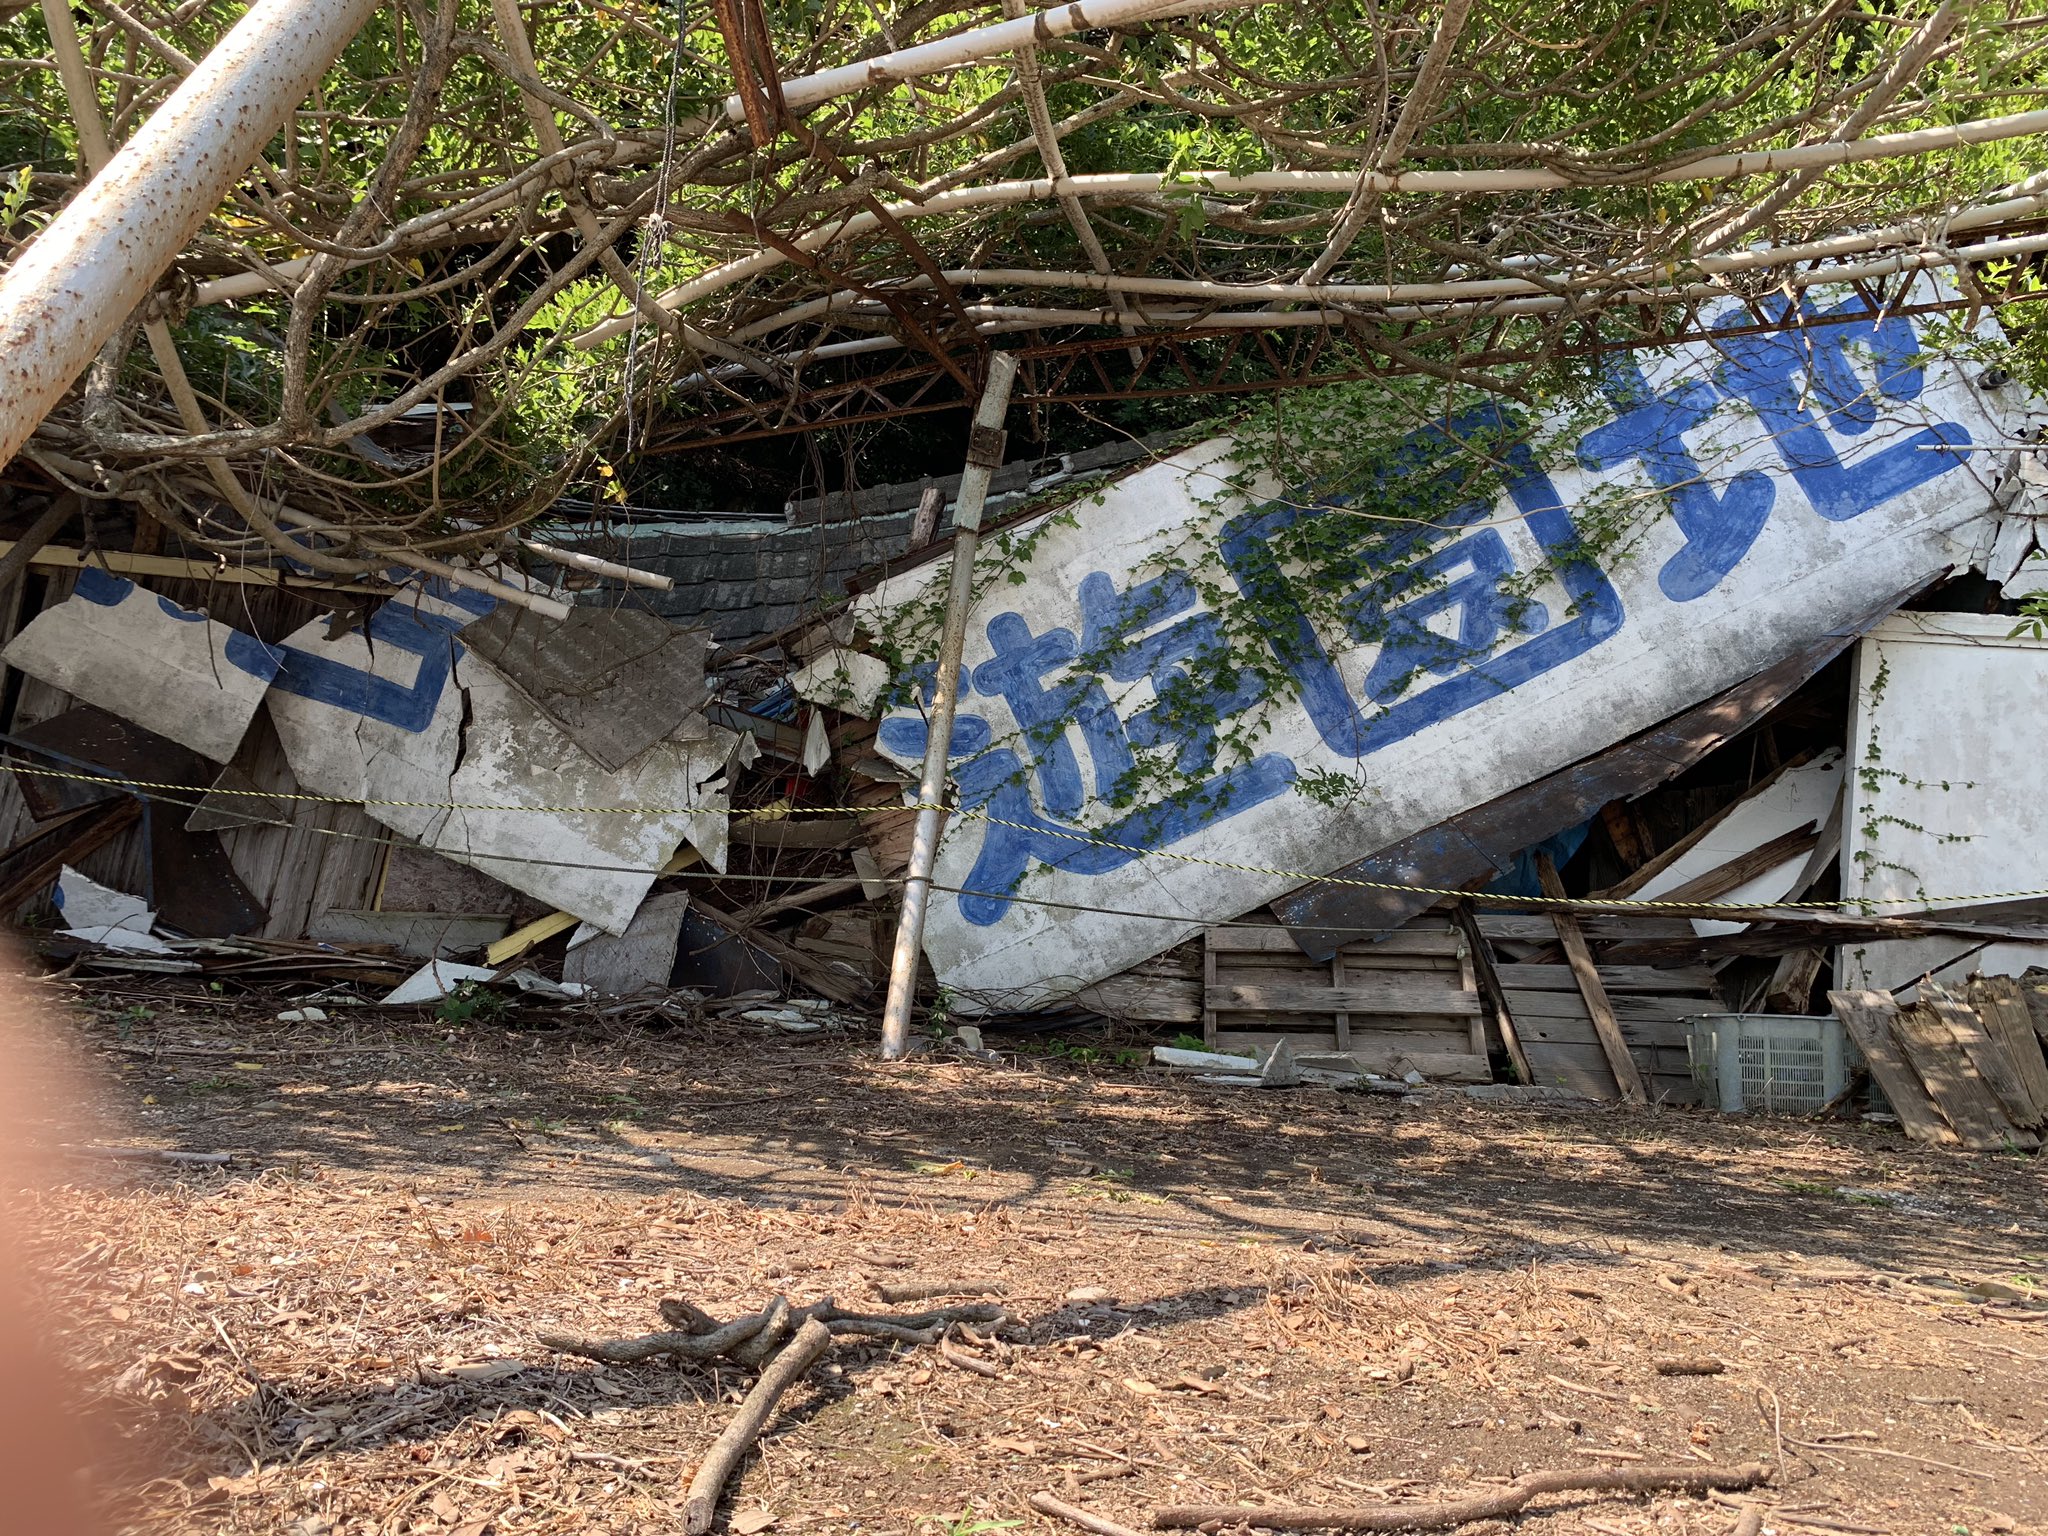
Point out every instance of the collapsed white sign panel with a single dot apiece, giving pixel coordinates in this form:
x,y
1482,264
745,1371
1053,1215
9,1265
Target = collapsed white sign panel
x,y
140,656
1948,790
1807,477
439,747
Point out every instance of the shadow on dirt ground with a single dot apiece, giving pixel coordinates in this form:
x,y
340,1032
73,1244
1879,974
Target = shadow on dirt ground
x,y
1212,1294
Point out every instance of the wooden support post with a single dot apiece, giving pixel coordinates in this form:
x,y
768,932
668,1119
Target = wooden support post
x,y
984,454
1579,955
924,527
1490,988
1625,831
1791,988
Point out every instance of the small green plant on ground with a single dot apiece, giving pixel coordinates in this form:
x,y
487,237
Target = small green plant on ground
x,y
968,1523
469,1003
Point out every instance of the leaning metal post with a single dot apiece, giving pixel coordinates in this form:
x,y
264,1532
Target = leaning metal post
x,y
984,454
99,258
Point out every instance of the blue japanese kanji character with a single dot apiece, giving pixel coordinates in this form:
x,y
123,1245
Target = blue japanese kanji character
x,y
1773,372
1015,674
1016,835
1188,662
1593,605
409,707
1719,527
1395,609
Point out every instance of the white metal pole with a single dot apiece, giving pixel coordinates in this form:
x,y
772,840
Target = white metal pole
x,y
980,43
984,454
83,275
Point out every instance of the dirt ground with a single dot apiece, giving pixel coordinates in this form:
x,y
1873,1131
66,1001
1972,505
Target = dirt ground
x,y
1214,1296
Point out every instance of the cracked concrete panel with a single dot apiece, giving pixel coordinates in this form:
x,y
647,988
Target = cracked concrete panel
x,y
641,961
585,838
401,717
140,656
615,680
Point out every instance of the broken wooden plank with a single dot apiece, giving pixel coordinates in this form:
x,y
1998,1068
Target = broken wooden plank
x,y
1385,1058
1580,957
1487,975
1868,1018
1616,978
1263,939
1791,985
1599,928
1994,1067
1739,871
1640,877
2002,1007
1375,997
29,867
1629,1009
1959,1091
1153,991
2035,995
62,558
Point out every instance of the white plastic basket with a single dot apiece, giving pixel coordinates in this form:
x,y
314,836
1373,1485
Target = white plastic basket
x,y
1768,1063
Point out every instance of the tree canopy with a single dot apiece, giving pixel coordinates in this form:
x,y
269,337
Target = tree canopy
x,y
552,236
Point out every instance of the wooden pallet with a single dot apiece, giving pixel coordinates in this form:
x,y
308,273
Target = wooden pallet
x,y
1404,999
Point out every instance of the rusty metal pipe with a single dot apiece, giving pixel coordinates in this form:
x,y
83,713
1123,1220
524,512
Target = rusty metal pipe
x,y
84,274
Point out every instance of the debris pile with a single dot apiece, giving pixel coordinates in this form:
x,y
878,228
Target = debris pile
x,y
1294,793
1960,1067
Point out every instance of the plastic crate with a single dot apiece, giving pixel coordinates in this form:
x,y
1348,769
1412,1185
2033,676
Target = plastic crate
x,y
1768,1063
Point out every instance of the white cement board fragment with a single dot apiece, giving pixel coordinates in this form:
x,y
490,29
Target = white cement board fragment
x,y
1797,797
399,717
85,903
846,680
169,670
1791,485
1948,787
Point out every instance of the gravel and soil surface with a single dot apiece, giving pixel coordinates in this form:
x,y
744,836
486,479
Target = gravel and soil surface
x,y
1214,1296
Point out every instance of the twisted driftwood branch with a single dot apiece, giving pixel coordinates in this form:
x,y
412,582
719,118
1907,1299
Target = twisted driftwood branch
x,y
1496,1504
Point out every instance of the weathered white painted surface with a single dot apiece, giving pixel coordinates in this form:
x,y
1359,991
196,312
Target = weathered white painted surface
x,y
142,657
1789,520
641,961
1798,796
400,717
847,680
1948,786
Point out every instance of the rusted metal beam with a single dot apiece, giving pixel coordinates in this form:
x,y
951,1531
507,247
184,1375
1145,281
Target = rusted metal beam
x,y
1048,375
82,277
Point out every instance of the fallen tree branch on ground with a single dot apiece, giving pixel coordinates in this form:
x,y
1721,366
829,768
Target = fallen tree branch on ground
x,y
788,1367
1046,1504
1496,1504
783,1342
693,1340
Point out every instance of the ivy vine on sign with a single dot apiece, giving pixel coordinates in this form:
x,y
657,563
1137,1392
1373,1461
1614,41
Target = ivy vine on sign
x,y
1371,607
